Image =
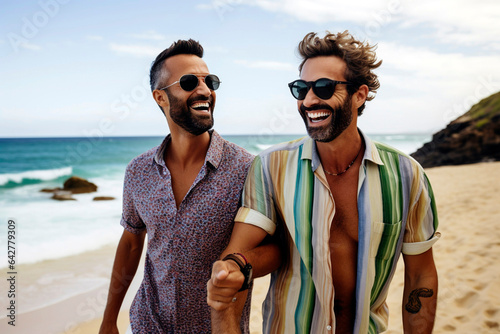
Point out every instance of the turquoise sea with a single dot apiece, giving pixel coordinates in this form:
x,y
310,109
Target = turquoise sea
x,y
48,229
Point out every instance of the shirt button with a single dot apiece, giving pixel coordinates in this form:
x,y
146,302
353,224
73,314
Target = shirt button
x,y
328,328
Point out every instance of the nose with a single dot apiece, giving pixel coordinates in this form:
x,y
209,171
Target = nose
x,y
310,99
202,88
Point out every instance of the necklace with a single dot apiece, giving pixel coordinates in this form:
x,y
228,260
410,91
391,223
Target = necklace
x,y
345,170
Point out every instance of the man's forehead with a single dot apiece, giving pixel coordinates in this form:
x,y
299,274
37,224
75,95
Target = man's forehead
x,y
185,64
332,67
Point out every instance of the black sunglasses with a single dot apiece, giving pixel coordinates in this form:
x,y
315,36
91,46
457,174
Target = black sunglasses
x,y
189,82
323,88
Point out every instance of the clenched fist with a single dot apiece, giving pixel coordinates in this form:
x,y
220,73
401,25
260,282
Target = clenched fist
x,y
226,281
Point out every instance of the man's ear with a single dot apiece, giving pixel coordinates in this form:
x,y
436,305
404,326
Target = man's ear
x,y
161,98
360,96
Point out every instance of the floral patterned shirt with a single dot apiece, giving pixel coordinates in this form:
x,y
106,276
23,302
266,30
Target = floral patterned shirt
x,y
182,242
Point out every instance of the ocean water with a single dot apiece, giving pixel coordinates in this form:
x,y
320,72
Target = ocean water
x,y
49,229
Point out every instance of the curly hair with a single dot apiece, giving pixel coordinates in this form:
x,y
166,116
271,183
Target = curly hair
x,y
359,56
157,77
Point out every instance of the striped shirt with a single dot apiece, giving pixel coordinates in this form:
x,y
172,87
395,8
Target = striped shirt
x,y
287,192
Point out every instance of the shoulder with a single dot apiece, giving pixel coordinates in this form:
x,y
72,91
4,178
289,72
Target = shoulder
x,y
236,152
295,145
286,154
142,161
236,155
401,165
388,153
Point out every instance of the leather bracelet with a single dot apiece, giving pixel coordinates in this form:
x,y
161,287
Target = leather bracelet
x,y
235,259
246,270
243,256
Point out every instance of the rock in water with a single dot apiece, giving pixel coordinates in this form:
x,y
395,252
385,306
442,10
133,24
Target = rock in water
x,y
472,137
77,185
62,195
50,190
103,198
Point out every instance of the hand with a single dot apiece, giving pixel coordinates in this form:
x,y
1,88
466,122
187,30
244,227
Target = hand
x,y
226,281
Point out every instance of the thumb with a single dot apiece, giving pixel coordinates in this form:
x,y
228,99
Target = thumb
x,y
222,275
220,271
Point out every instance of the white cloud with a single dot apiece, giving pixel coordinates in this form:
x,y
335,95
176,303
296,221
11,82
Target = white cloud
x,y
267,65
431,67
438,87
136,50
321,11
150,35
461,22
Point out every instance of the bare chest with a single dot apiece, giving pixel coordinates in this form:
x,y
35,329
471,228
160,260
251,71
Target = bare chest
x,y
344,249
182,180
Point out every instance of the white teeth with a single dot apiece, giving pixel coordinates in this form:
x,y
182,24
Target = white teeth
x,y
317,114
200,105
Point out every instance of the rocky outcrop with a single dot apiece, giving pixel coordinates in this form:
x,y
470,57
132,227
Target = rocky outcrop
x,y
473,137
103,198
50,190
61,195
77,185
74,185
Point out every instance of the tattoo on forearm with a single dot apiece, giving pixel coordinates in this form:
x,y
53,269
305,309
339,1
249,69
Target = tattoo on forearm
x,y
414,305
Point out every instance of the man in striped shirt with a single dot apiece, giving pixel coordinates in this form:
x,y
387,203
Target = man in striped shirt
x,y
343,207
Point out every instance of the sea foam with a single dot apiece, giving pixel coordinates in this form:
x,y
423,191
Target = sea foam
x,y
34,175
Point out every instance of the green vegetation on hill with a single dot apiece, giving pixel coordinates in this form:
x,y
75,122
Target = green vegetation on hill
x,y
483,111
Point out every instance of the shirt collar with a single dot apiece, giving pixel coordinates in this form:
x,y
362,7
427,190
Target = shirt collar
x,y
371,152
310,152
215,150
214,153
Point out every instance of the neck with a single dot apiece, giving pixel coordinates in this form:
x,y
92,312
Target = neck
x,y
338,154
185,149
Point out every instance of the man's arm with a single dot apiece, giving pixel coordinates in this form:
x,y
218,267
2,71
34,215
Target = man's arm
x,y
420,293
227,278
128,255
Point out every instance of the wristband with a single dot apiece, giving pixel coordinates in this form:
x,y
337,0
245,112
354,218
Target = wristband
x,y
246,270
243,256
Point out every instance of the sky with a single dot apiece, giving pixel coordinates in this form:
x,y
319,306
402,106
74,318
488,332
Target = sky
x,y
72,68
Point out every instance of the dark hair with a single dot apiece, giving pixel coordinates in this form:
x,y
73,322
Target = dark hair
x,y
359,56
189,47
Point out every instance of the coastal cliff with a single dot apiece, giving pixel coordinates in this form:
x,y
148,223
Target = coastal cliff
x,y
472,137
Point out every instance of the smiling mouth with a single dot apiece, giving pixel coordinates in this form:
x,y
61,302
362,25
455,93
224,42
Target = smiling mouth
x,y
316,117
201,106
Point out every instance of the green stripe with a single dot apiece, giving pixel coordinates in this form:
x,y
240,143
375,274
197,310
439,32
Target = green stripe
x,y
372,328
303,202
433,204
259,185
392,201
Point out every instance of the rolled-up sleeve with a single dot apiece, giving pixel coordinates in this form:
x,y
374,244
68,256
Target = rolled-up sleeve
x,y
257,201
420,232
130,220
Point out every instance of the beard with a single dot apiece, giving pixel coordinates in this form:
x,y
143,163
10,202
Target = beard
x,y
340,119
181,114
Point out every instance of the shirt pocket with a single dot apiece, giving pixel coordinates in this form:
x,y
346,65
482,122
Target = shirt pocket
x,y
384,240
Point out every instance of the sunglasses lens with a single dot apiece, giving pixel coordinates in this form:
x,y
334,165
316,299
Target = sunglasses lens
x,y
324,88
188,82
299,89
212,81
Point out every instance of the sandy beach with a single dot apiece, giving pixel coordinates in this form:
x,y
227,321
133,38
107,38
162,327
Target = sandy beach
x,y
467,259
